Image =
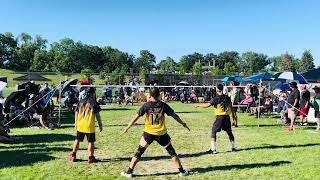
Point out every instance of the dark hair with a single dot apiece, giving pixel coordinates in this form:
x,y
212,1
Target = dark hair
x,y
154,92
220,87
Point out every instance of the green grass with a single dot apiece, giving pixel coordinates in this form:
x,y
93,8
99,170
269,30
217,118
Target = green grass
x,y
267,152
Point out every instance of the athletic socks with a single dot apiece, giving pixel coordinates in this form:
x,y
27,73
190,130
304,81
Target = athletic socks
x,y
129,171
233,145
181,170
213,146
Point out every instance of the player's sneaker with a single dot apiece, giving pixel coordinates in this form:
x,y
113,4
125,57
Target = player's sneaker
x,y
184,174
212,151
234,149
72,157
124,174
92,159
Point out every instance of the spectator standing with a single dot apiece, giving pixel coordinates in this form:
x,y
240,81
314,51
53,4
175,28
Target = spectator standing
x,y
293,104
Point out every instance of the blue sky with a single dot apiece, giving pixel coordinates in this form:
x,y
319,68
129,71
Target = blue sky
x,y
172,27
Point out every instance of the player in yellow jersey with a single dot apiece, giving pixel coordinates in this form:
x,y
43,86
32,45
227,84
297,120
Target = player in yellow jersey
x,y
87,112
155,130
222,106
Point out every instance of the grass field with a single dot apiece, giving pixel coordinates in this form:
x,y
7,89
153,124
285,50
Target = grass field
x,y
266,152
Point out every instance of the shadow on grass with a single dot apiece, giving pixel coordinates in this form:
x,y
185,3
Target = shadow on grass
x,y
270,146
15,158
44,138
115,109
187,112
149,158
260,125
222,168
123,125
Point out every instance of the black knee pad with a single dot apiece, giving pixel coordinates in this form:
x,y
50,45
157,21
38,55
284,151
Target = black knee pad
x,y
139,152
171,151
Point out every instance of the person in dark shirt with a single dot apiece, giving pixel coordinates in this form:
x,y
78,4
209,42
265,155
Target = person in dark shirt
x,y
293,104
222,107
304,104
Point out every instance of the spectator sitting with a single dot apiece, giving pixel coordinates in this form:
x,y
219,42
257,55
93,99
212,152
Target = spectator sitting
x,y
193,96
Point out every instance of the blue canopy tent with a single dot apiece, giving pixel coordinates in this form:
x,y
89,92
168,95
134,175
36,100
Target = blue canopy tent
x,y
232,78
281,86
259,77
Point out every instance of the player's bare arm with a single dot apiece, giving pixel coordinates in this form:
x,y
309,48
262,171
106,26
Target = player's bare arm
x,y
206,105
132,122
178,119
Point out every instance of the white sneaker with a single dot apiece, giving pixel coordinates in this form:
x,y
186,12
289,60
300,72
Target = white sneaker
x,y
184,174
124,174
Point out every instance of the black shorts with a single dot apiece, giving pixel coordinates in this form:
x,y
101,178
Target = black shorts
x,y
163,140
222,122
91,137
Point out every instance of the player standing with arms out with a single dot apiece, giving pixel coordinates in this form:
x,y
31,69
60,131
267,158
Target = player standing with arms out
x,y
155,130
222,106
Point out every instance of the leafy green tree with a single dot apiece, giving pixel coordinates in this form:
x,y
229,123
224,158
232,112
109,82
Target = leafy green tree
x,y
115,58
287,62
275,64
227,57
41,61
167,65
229,68
187,61
216,71
307,62
254,62
196,69
63,57
146,60
8,48
26,51
210,59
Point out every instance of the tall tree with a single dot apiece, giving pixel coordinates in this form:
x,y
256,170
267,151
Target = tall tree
x,y
254,62
275,63
115,58
196,69
229,68
307,62
26,50
167,65
227,57
287,62
187,61
146,60
41,61
8,47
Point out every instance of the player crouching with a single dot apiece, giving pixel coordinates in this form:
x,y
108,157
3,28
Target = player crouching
x,y
155,130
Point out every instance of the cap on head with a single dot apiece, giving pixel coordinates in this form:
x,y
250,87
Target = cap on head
x,y
293,84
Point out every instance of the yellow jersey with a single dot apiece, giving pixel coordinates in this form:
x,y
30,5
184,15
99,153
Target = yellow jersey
x,y
222,105
155,117
85,118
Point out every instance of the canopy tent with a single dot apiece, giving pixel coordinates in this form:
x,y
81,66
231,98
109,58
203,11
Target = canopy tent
x,y
259,77
31,77
232,78
312,75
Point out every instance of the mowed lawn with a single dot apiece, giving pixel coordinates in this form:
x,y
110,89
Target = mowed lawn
x,y
266,152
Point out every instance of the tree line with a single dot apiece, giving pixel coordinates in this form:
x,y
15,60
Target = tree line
x,y
27,53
